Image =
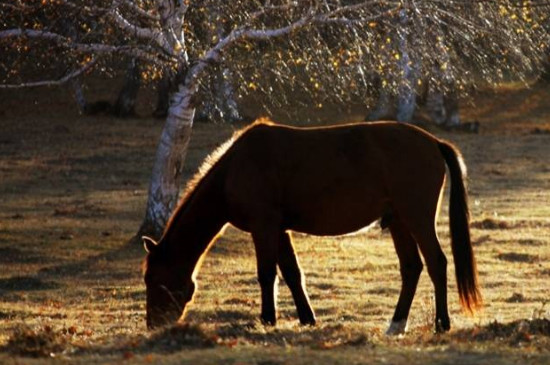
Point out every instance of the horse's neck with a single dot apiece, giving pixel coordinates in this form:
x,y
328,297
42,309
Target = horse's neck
x,y
196,224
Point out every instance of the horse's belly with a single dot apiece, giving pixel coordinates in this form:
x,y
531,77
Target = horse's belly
x,y
334,218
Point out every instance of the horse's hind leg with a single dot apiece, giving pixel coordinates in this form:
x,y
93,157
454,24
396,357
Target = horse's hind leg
x,y
435,259
266,246
288,263
410,267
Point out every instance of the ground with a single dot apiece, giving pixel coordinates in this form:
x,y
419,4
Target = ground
x,y
73,192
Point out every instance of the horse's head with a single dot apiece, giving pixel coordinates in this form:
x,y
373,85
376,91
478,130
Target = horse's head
x,y
168,289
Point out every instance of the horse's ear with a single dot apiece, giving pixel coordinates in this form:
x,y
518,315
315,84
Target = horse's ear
x,y
149,244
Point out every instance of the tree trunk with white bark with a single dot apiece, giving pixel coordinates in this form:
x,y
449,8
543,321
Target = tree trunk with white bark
x,y
166,178
225,98
78,94
406,93
126,101
435,106
165,87
384,108
452,115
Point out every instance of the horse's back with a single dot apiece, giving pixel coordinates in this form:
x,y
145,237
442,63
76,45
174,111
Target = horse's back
x,y
330,180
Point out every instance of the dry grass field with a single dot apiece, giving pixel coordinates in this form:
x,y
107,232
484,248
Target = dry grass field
x,y
72,194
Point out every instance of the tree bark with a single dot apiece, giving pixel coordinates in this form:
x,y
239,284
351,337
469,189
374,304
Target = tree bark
x,y
442,107
225,96
452,115
406,93
384,108
221,106
164,89
166,179
435,106
126,101
78,94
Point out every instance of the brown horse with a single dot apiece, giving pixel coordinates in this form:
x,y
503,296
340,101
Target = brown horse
x,y
322,181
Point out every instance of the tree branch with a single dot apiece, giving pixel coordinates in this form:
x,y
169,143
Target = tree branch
x,y
153,36
311,18
17,7
172,15
140,52
329,17
272,9
57,82
139,11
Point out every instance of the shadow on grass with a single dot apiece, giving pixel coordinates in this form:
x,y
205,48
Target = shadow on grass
x,y
85,266
9,255
26,283
50,277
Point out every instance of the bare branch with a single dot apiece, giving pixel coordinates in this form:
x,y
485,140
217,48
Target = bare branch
x,y
267,9
172,14
138,10
244,33
17,7
334,16
89,9
57,82
140,52
359,21
153,36
341,11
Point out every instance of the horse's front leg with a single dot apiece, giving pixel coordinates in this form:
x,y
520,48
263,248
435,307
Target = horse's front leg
x,y
290,268
266,260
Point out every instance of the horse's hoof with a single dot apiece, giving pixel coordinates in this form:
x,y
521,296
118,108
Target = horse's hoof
x,y
268,322
307,318
397,328
442,326
308,322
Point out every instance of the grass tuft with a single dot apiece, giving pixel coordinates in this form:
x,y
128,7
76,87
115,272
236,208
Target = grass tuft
x,y
512,333
181,335
40,342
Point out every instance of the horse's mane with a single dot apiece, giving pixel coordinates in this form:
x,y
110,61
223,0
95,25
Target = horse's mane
x,y
209,163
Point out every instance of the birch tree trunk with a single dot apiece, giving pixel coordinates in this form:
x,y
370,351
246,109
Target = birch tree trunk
x,y
166,179
126,101
435,106
164,89
444,99
452,112
222,106
406,94
226,98
384,108
78,94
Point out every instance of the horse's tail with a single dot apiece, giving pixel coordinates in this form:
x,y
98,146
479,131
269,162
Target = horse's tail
x,y
459,216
